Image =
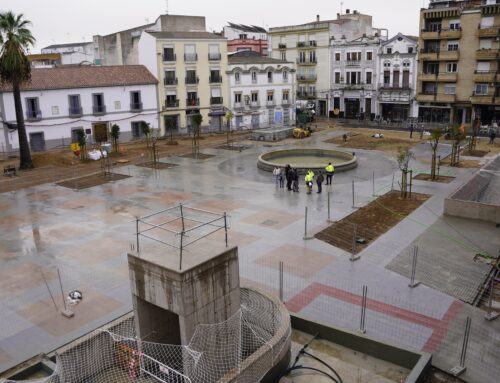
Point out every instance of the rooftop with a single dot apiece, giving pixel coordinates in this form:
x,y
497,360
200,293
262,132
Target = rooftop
x,y
69,45
247,28
70,77
185,35
249,57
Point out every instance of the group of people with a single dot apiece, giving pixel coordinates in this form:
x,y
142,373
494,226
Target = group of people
x,y
291,176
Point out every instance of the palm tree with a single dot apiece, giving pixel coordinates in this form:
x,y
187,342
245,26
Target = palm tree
x,y
15,39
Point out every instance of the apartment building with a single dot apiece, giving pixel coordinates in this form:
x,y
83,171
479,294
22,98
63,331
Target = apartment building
x,y
397,78
59,101
191,68
261,91
308,46
459,69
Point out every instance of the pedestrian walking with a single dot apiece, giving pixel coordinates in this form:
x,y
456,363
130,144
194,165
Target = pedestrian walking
x,y
319,181
493,135
282,178
276,173
288,176
330,170
309,181
295,180
411,130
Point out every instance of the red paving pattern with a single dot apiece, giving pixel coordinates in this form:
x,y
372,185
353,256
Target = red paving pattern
x,y
439,326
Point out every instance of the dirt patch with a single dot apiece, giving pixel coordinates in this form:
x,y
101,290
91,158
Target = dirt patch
x,y
158,165
199,156
370,221
475,153
465,164
59,158
427,177
360,138
91,181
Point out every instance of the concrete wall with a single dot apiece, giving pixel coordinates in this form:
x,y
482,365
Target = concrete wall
x,y
206,293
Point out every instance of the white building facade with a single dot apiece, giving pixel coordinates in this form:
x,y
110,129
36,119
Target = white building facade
x,y
262,91
397,78
73,53
59,101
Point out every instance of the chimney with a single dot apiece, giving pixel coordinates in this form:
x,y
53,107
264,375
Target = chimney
x,y
317,18
347,11
355,12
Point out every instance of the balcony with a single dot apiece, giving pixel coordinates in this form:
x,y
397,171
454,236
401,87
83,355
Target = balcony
x,y
307,77
169,58
76,111
238,106
487,54
33,115
429,35
307,62
216,100
353,63
427,76
306,95
488,98
450,34
190,57
445,98
281,46
447,76
486,76
136,106
192,102
169,104
449,55
215,79
192,80
214,57
285,102
301,44
396,87
426,97
488,31
254,104
270,103
99,109
170,81
347,86
430,54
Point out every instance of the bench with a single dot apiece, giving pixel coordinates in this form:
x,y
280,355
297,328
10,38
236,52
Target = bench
x,y
9,170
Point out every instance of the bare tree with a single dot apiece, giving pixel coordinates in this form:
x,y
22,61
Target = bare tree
x,y
229,117
197,120
436,135
403,158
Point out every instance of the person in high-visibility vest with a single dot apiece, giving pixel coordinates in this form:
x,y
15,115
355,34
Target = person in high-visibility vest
x,y
330,170
309,181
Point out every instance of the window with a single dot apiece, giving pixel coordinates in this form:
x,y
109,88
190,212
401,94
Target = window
x,y
32,108
191,77
75,108
286,95
135,100
136,129
369,56
485,43
406,79
406,64
269,77
192,99
387,64
255,96
353,77
481,89
237,98
387,78
285,75
270,96
337,56
170,78
171,99
213,52
483,67
451,67
487,22
368,77
215,76
410,49
98,103
55,110
429,87
450,88
168,54
243,36
452,45
337,77
283,56
389,51
312,56
454,24
237,77
254,76
302,57
395,79
353,56
74,134
431,68
433,25
190,53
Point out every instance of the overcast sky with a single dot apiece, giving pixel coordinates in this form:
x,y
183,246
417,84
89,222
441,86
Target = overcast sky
x,y
64,21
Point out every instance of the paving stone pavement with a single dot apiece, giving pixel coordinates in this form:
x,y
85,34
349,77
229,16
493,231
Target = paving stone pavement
x,y
86,234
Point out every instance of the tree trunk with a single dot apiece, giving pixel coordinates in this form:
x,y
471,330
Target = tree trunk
x,y
433,166
24,148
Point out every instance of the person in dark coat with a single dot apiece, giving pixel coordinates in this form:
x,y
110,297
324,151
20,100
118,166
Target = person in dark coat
x,y
295,180
319,181
288,176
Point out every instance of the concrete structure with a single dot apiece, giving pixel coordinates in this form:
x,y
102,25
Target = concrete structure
x,y
246,38
45,60
353,77
58,101
191,68
459,58
309,45
72,53
121,48
261,91
397,78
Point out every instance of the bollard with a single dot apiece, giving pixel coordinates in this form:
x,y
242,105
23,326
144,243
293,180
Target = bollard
x,y
460,369
137,233
414,283
281,280
329,220
491,315
362,328
353,205
306,237
354,257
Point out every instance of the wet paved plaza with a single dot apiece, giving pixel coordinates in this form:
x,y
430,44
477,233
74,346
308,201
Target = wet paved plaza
x,y
86,234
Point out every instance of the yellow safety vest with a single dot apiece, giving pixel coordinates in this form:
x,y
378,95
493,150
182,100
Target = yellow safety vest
x,y
330,169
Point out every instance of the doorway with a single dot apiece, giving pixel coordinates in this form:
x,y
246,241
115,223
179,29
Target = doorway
x,y
37,141
100,132
351,107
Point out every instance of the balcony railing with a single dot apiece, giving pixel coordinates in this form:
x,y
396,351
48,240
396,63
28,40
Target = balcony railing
x,y
192,102
306,77
281,46
238,105
192,80
307,62
487,54
75,111
306,95
214,56
170,81
99,109
312,43
486,76
215,79
216,100
270,103
136,106
169,58
254,104
190,57
492,31
395,86
285,102
301,44
33,115
171,103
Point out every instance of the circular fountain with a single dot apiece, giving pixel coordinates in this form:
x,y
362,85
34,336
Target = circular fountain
x,y
305,159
